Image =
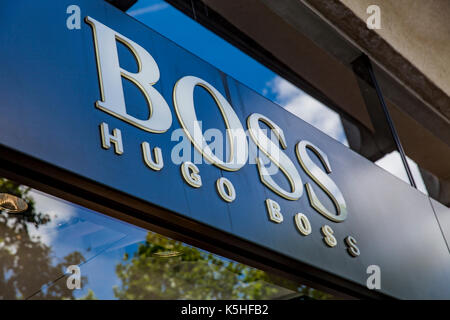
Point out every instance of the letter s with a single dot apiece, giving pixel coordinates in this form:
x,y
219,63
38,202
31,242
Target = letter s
x,y
323,180
280,159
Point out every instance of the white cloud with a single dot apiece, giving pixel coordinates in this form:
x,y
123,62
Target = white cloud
x,y
392,163
152,8
59,212
307,108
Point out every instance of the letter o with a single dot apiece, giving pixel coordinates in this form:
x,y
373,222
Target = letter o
x,y
183,99
302,223
226,189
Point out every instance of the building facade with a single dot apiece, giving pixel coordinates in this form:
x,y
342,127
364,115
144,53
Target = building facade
x,y
134,169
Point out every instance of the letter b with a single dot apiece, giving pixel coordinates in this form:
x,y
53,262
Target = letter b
x,y
110,77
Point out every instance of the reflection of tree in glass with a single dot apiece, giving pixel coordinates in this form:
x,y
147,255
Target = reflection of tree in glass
x,y
26,262
195,275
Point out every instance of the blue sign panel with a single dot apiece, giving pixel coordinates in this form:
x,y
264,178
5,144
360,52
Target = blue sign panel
x,y
117,103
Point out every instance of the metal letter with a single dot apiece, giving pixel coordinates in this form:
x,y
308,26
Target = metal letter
x,y
190,173
107,138
183,99
156,164
274,211
323,180
110,77
328,237
303,224
274,153
229,194
352,249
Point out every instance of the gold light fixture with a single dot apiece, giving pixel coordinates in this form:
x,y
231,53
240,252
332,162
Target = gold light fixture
x,y
12,204
167,254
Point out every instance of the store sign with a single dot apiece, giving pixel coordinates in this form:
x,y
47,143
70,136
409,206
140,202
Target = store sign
x,y
118,104
112,101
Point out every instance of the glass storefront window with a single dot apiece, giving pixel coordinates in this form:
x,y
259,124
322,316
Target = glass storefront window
x,y
425,144
393,163
45,248
431,177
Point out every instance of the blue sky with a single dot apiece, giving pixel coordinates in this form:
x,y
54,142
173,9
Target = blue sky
x,y
168,21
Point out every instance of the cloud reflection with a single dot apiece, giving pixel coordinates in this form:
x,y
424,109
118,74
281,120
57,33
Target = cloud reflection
x,y
307,108
148,9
